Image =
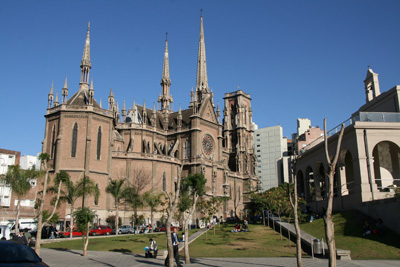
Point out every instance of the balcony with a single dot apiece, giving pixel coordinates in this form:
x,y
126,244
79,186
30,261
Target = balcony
x,y
361,116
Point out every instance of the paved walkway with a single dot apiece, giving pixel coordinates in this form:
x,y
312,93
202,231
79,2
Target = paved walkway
x,y
100,258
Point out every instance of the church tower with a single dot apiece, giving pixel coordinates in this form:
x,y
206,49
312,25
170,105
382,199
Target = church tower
x,y
78,134
371,84
238,132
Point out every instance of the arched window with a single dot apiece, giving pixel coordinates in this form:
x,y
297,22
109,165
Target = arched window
x,y
96,200
74,140
98,143
164,182
52,145
186,148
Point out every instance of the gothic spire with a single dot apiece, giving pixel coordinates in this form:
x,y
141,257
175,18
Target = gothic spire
x,y
202,80
50,97
56,103
85,63
65,91
165,98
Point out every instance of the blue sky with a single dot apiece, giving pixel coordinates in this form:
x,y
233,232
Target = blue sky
x,y
297,59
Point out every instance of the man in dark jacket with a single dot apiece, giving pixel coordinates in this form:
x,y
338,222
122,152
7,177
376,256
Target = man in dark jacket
x,y
21,239
175,245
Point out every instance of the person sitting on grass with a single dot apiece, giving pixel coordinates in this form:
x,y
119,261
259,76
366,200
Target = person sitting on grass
x,y
366,228
237,228
245,228
153,247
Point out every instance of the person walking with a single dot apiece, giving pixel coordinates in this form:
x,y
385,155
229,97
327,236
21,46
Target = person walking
x,y
175,245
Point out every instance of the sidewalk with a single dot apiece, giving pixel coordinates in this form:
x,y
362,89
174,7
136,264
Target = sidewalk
x,y
100,258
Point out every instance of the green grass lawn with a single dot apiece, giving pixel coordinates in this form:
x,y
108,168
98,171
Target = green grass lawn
x,y
348,235
260,241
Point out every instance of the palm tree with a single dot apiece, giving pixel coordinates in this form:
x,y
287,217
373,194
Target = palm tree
x,y
61,177
135,200
19,180
84,217
152,200
83,187
115,189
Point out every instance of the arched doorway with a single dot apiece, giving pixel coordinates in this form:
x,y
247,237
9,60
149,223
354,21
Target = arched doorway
x,y
321,189
386,164
300,184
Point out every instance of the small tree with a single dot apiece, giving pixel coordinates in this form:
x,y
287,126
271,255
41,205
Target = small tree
x,y
84,218
115,189
61,177
330,174
211,206
110,220
152,200
173,201
19,180
259,204
131,197
192,187
278,201
73,191
294,202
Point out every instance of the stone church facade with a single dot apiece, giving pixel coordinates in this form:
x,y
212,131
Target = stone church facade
x,y
150,144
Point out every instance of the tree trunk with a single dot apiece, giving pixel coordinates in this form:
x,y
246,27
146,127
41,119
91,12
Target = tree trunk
x,y
186,230
329,225
71,224
169,241
16,226
151,219
85,240
116,220
294,203
40,217
264,217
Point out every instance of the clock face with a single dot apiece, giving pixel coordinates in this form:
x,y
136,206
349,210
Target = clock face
x,y
208,144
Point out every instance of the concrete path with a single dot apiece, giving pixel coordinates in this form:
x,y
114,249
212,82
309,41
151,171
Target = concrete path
x,y
101,258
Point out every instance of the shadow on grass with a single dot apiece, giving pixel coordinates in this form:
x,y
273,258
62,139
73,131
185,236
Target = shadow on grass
x,y
353,226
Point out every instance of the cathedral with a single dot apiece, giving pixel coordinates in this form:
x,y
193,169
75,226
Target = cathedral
x,y
148,146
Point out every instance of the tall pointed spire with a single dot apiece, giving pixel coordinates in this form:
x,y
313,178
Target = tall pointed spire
x,y
165,98
85,63
50,97
56,103
65,91
202,80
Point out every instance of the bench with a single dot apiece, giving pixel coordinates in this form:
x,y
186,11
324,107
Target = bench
x,y
161,254
343,254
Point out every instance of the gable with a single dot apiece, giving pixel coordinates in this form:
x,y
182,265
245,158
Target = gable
x,y
207,112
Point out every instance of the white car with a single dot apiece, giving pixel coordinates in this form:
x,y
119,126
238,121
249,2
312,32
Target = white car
x,y
125,229
5,232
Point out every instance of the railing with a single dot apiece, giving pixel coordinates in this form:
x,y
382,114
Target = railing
x,y
361,116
